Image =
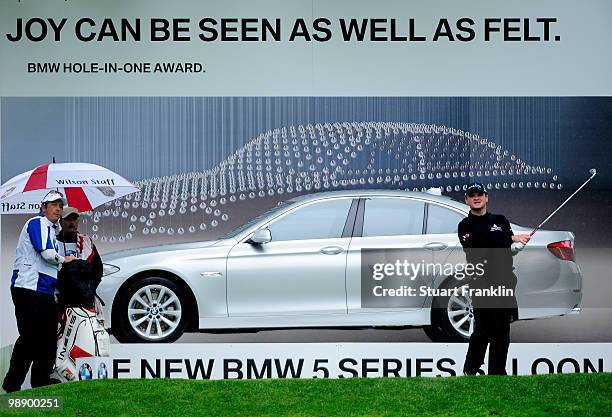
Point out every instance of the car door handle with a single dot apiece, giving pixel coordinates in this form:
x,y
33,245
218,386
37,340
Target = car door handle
x,y
331,250
436,246
211,274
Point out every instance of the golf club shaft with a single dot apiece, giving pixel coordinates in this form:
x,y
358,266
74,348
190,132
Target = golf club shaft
x,y
562,204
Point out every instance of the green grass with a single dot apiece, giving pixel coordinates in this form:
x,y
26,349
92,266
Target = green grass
x,y
555,395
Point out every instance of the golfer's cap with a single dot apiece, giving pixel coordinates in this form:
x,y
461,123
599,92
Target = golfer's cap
x,y
54,196
475,187
68,211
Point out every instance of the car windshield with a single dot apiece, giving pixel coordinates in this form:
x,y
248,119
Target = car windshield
x,y
256,219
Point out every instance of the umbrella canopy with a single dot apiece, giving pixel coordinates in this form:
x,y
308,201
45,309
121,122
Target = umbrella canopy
x,y
86,186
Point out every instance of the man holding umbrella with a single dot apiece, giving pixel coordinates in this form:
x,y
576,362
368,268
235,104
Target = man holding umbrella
x,y
86,187
33,291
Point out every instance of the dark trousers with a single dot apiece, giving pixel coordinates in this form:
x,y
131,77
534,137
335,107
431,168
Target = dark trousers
x,y
492,328
36,315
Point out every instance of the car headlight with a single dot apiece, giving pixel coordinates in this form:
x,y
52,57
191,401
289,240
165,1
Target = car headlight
x,y
108,269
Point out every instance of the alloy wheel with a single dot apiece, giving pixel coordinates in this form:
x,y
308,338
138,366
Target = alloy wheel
x,y
461,314
154,311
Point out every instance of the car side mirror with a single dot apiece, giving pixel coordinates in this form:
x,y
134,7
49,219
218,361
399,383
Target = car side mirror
x,y
261,236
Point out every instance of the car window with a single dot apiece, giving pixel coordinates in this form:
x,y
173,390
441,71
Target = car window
x,y
260,217
392,217
321,220
442,220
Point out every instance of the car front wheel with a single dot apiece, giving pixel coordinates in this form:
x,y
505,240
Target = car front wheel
x,y
153,309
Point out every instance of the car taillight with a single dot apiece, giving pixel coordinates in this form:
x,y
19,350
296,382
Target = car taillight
x,y
562,250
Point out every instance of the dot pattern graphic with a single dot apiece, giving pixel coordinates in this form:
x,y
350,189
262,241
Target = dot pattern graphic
x,y
311,158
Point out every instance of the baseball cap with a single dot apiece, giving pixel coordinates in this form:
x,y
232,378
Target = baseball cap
x,y
475,187
53,196
68,211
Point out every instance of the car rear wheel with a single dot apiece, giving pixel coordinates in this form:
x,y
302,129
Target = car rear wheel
x,y
452,318
153,309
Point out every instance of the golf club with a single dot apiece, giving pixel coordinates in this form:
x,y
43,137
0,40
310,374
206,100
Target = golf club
x,y
593,172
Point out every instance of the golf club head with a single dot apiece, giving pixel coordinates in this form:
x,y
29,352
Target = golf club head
x,y
593,172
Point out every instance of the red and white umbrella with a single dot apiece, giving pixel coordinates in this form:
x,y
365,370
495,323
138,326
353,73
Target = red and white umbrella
x,y
86,186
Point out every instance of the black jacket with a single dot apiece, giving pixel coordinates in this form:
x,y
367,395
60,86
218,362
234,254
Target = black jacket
x,y
487,240
78,280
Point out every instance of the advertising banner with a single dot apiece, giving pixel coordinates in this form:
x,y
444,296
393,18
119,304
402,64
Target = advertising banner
x,y
289,189
343,360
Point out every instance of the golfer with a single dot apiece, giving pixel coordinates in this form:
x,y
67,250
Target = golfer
x,y
33,292
486,239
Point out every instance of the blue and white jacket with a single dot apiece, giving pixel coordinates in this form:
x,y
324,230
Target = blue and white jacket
x,y
37,259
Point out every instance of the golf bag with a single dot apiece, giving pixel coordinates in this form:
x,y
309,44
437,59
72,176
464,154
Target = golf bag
x,y
80,334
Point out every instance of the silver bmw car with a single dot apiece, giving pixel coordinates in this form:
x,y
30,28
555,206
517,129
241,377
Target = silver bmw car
x,y
300,265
